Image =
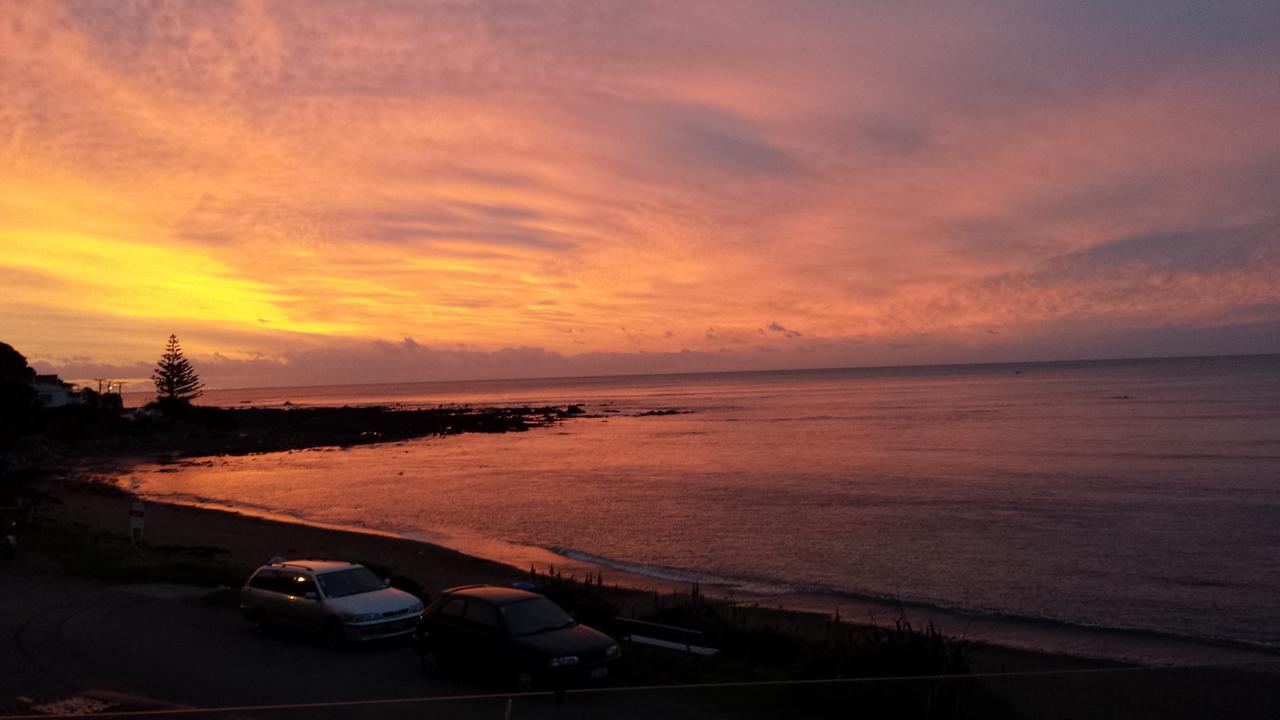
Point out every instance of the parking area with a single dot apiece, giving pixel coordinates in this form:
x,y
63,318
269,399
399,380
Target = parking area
x,y
174,646
86,646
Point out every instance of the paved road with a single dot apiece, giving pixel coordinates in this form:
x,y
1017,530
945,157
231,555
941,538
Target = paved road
x,y
159,647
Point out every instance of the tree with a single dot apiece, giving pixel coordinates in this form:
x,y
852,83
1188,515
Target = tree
x,y
13,366
17,397
175,381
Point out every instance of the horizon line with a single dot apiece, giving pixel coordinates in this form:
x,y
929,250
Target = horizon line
x,y
744,372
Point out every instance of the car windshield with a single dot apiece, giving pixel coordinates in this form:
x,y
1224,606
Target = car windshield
x,y
350,582
533,616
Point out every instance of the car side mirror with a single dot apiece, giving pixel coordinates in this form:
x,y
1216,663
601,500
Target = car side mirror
x,y
311,596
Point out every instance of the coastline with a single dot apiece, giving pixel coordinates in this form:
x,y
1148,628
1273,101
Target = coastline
x,y
86,504
251,537
1022,633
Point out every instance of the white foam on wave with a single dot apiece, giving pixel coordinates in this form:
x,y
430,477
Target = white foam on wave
x,y
678,575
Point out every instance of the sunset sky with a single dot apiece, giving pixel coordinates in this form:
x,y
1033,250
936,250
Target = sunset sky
x,y
320,192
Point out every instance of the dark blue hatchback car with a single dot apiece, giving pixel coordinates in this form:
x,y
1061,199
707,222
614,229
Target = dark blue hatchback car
x,y
523,637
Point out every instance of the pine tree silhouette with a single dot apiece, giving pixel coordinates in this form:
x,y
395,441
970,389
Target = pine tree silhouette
x,y
175,380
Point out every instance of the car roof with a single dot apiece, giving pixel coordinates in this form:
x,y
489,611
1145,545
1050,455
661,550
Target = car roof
x,y
314,566
493,593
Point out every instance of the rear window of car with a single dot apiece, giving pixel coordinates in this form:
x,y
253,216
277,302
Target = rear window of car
x,y
262,579
270,580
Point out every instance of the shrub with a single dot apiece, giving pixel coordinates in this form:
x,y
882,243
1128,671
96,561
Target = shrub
x,y
584,599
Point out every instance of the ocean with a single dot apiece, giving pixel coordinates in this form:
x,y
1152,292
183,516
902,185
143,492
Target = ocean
x,y
1139,495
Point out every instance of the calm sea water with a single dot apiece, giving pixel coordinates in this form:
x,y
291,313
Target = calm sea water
x,y
1137,494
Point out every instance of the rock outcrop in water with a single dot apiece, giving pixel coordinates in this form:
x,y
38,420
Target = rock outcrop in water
x,y
74,433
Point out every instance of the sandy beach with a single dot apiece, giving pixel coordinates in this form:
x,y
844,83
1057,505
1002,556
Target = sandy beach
x,y
246,542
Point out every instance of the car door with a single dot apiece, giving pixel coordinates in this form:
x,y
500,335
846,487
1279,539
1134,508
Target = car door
x,y
445,626
297,609
305,601
479,632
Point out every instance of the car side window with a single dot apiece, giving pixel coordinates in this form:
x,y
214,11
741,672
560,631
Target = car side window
x,y
482,615
452,610
298,585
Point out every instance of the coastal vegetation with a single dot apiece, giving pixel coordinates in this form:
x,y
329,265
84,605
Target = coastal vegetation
x,y
755,643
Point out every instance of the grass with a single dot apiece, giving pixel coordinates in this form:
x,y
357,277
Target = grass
x,y
88,553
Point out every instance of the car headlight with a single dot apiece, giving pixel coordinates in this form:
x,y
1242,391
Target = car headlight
x,y
613,651
566,661
361,617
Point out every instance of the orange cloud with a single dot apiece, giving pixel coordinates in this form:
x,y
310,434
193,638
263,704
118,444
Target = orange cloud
x,y
281,178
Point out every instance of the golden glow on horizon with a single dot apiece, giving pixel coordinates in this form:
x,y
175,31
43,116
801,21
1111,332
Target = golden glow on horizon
x,y
136,280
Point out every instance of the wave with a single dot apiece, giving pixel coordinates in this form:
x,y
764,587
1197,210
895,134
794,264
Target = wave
x,y
671,574
773,588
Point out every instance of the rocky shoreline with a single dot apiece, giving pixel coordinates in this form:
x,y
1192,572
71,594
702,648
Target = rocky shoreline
x,y
70,437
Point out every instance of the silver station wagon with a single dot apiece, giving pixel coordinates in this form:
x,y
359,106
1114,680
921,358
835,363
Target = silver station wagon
x,y
343,601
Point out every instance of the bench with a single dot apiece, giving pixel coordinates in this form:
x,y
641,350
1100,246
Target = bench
x,y
668,637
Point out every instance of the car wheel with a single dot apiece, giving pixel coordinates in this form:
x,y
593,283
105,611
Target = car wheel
x,y
429,660
259,622
523,681
333,635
